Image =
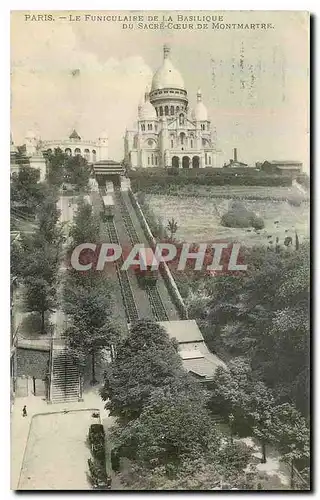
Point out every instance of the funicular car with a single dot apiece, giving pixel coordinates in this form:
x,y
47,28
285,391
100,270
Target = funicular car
x,y
108,207
146,274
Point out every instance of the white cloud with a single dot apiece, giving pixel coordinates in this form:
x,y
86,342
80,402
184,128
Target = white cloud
x,y
56,87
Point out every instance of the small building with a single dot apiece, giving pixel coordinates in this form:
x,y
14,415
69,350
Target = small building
x,y
281,167
196,357
234,162
29,155
105,168
73,145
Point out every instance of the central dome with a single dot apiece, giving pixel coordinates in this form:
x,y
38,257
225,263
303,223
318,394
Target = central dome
x,y
167,76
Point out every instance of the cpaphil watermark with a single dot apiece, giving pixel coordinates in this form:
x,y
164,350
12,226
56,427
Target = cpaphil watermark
x,y
212,258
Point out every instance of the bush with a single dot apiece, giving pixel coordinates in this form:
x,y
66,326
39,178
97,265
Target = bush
x,y
98,477
239,216
97,443
257,222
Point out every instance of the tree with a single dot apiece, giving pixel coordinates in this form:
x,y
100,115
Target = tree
x,y
25,189
39,296
56,163
86,226
222,468
292,436
264,316
170,428
47,219
77,171
172,227
83,342
146,359
236,392
88,303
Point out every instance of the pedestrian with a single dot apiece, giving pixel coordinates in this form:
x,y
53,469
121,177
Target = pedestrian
x,y
24,411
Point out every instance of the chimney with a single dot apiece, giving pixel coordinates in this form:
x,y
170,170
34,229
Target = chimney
x,y
235,157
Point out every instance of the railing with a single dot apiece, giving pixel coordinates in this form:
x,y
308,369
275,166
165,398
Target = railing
x,y
50,375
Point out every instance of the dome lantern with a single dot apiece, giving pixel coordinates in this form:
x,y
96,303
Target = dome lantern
x,y
166,51
200,112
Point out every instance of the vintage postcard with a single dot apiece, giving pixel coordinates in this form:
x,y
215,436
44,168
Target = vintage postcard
x,y
160,248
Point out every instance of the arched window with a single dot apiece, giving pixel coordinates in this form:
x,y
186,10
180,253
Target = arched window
x,y
206,158
156,160
68,151
196,162
171,143
152,159
202,126
143,127
157,111
191,143
182,138
94,155
209,160
181,119
87,154
177,109
77,151
175,162
148,160
185,162
172,110
156,127
166,110
161,111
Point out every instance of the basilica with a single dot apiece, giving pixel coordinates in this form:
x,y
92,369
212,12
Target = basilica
x,y
167,134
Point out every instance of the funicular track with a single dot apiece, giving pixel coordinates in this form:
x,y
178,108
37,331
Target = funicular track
x,y
124,281
158,310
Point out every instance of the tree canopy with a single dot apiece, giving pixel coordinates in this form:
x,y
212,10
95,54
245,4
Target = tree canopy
x,y
147,359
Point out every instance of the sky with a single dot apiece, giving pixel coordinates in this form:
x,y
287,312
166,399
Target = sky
x,y
91,76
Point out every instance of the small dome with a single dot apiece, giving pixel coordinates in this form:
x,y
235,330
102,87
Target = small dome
x,y
167,76
146,111
200,112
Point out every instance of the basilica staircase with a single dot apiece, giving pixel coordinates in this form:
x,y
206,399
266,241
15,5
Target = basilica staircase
x,y
65,379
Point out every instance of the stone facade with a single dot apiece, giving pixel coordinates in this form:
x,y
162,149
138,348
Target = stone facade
x,y
167,134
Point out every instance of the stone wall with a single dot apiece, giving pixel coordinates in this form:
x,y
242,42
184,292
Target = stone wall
x,y
32,363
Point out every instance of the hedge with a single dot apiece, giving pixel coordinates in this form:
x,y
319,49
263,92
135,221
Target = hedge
x,y
144,178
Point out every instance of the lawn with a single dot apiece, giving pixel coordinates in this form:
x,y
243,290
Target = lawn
x,y
198,218
56,452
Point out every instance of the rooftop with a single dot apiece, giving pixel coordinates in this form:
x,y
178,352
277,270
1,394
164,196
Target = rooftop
x,y
74,135
198,360
285,162
185,330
